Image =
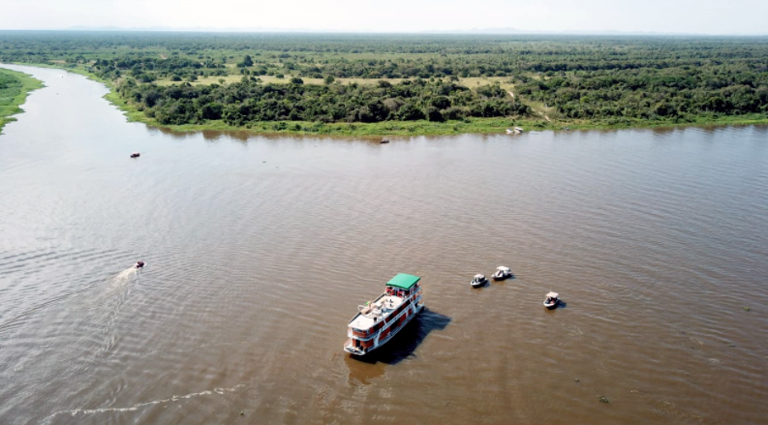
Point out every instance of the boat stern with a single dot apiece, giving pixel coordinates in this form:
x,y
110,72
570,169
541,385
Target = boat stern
x,y
350,348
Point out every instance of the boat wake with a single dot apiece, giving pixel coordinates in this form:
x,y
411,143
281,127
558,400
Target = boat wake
x,y
125,276
113,288
137,406
119,284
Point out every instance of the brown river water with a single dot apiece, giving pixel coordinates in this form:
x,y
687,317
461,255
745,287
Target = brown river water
x,y
259,250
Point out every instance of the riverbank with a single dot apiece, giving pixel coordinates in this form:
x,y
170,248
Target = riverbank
x,y
471,125
427,128
14,88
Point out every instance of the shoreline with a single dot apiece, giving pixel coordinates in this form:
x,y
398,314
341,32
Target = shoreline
x,y
28,85
403,128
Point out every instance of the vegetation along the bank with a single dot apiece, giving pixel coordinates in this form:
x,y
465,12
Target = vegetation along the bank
x,y
14,87
412,84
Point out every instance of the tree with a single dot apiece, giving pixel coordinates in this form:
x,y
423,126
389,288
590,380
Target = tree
x,y
247,62
212,111
409,112
433,114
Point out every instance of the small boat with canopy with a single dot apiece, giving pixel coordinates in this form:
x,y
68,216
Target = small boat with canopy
x,y
502,273
553,298
478,281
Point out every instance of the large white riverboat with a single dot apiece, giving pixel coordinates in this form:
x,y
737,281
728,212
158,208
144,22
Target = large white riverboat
x,y
378,321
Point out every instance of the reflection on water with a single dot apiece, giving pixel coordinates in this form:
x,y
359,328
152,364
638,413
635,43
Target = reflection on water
x,y
363,372
261,247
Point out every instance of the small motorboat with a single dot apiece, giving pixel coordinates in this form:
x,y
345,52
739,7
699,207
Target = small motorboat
x,y
135,155
384,140
502,273
478,281
552,300
139,264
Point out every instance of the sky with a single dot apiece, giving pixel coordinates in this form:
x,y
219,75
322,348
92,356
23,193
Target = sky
x,y
733,17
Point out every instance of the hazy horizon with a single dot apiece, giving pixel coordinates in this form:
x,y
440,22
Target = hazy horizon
x,y
683,17
309,31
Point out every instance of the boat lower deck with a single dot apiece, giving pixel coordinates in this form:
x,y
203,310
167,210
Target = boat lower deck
x,y
353,346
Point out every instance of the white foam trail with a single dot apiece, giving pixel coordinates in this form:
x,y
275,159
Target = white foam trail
x,y
124,277
119,282
115,285
135,407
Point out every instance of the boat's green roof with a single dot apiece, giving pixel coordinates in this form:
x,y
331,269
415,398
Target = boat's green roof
x,y
403,281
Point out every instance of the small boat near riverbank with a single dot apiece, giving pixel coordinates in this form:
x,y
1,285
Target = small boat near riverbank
x,y
378,321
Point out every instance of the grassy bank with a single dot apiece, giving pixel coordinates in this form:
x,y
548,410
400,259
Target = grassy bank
x,y
14,87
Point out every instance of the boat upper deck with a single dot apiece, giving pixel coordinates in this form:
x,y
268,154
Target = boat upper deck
x,y
376,311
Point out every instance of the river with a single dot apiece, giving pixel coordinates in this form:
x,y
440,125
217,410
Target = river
x,y
259,250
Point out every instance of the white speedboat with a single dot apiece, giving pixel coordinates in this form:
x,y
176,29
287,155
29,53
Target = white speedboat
x,y
478,281
502,273
552,300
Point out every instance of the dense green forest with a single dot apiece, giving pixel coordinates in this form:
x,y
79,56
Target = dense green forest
x,y
242,80
249,101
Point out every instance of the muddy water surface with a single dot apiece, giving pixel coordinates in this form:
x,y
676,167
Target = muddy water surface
x,y
259,250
